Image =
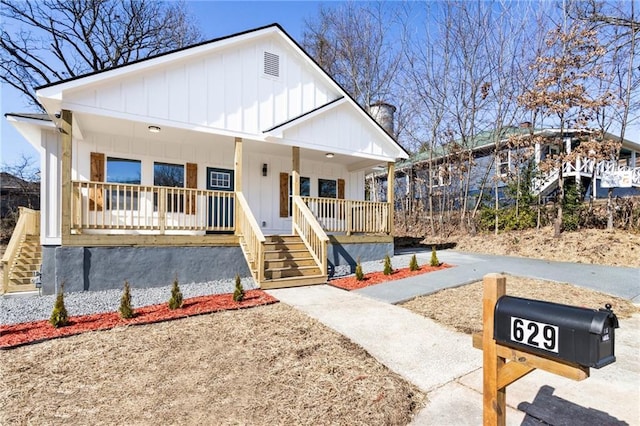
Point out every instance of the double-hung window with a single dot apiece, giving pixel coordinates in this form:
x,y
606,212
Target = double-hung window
x,y
124,171
171,176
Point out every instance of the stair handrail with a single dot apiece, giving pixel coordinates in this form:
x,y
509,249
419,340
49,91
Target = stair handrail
x,y
28,224
248,230
309,230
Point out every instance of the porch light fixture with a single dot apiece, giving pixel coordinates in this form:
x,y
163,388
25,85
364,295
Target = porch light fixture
x,y
264,169
329,155
154,129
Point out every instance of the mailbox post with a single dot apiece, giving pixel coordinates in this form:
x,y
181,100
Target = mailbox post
x,y
530,334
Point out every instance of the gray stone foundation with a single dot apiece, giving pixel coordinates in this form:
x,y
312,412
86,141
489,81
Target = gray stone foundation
x,y
342,253
103,268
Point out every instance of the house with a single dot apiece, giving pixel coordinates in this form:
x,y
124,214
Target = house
x,y
477,168
239,155
16,192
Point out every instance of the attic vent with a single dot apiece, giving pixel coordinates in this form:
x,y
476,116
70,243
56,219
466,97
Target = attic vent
x,y
271,64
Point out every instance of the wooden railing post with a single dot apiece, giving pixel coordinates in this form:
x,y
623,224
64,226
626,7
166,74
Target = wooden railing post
x,y
162,209
493,398
391,181
349,213
66,138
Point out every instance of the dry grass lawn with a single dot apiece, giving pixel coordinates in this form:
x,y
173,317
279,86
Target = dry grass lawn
x,y
461,307
268,365
263,366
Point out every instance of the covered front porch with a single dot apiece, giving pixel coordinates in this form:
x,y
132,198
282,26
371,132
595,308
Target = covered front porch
x,y
313,203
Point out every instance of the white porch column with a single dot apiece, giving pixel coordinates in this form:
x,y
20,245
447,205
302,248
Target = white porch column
x,y
633,160
65,130
537,154
391,172
237,167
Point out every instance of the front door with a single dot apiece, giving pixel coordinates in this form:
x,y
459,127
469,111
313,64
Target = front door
x,y
221,209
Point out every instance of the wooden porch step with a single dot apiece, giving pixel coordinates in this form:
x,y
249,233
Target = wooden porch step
x,y
19,288
293,282
282,263
288,263
283,254
290,272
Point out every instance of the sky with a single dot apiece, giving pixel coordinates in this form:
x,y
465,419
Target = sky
x,y
215,19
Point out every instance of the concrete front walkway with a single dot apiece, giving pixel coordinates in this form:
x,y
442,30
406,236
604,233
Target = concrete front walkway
x,y
617,281
443,363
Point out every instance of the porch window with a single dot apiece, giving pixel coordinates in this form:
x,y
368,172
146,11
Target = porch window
x,y
169,175
327,188
220,180
305,190
125,171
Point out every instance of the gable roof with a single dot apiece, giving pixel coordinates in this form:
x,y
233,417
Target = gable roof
x,y
51,94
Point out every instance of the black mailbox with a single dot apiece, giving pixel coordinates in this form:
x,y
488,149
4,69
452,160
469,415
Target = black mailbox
x,y
575,335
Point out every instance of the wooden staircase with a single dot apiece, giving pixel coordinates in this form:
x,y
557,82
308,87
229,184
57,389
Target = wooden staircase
x,y
27,261
23,255
288,263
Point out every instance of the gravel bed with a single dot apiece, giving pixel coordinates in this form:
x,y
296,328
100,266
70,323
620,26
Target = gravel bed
x,y
24,308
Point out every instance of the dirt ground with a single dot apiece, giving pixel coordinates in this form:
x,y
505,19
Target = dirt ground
x,y
267,365
263,366
597,246
461,308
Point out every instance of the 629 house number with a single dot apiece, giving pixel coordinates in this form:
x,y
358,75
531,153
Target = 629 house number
x,y
536,334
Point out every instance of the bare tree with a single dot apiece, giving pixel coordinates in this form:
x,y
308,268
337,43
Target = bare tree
x,y
563,92
353,44
44,41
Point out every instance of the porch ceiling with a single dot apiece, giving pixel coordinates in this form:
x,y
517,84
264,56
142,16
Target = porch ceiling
x,y
86,123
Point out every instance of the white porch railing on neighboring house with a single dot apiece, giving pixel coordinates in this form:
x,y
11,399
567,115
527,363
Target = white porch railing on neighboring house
x,y
114,206
251,238
314,237
350,216
586,167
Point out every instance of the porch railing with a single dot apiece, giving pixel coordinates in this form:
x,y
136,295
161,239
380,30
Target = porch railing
x,y
314,237
28,224
251,238
584,166
115,206
351,216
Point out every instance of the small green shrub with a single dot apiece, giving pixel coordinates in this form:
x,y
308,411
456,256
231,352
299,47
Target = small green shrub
x,y
126,311
413,263
359,273
59,316
434,257
175,302
238,293
388,270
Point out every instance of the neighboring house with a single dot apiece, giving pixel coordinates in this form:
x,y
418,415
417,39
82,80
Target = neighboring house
x,y
237,155
478,166
16,192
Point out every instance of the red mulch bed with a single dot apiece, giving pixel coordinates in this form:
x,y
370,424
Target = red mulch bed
x,y
37,331
350,282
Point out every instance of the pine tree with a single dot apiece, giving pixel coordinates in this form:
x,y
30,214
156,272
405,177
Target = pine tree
x,y
59,316
176,296
359,273
434,257
126,311
413,263
388,270
238,293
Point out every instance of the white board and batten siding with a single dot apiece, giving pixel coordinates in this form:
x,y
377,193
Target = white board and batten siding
x,y
224,89
263,192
